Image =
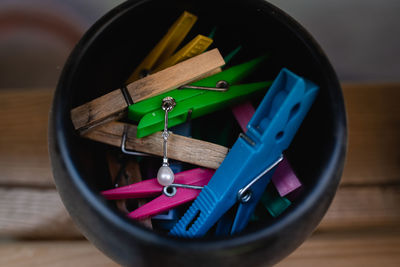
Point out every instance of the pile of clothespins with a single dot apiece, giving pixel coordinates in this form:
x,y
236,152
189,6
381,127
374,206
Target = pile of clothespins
x,y
197,187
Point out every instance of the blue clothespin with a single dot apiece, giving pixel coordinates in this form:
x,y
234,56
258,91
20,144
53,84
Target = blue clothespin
x,y
167,221
241,176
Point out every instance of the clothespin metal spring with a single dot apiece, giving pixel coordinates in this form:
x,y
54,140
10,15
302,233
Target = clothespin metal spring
x,y
170,190
221,86
244,194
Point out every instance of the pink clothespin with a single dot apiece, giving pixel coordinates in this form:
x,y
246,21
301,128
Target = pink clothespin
x,y
243,113
284,179
186,187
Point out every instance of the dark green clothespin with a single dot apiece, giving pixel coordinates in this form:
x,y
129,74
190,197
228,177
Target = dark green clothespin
x,y
273,202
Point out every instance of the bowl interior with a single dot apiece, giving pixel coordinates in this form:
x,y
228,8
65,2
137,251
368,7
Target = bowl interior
x,y
111,50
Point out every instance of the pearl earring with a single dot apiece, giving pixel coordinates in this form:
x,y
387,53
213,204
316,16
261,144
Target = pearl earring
x,y
165,175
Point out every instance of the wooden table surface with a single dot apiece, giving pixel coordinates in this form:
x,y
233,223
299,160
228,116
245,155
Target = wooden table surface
x,y
361,228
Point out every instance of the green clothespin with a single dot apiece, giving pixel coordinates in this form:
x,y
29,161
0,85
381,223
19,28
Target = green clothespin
x,y
221,136
232,75
198,106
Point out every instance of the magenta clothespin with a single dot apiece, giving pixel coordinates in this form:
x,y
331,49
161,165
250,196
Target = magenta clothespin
x,y
243,113
186,187
284,179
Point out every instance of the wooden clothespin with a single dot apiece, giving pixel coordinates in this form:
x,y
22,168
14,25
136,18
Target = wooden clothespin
x,y
185,149
113,105
125,172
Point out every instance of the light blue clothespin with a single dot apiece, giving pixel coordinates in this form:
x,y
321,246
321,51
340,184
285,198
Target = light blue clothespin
x,y
167,220
246,170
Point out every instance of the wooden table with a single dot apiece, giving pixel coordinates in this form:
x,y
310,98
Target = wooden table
x,y
362,227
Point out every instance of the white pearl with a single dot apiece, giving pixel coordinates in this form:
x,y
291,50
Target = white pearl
x,y
165,176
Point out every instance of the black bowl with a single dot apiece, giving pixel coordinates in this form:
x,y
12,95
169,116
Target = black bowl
x,y
103,60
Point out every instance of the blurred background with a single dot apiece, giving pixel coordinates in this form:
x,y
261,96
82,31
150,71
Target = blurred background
x,y
360,37
36,36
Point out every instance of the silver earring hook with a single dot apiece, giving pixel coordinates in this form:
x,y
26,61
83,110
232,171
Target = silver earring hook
x,y
165,176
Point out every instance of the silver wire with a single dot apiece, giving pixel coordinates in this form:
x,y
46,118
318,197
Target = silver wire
x,y
168,104
170,190
221,86
131,152
244,194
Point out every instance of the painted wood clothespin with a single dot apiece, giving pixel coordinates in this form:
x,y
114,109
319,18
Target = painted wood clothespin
x,y
113,105
195,47
166,46
199,106
238,179
233,75
197,99
186,187
185,149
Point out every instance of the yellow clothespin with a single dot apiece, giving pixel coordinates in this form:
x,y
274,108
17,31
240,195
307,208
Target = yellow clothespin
x,y
195,47
166,47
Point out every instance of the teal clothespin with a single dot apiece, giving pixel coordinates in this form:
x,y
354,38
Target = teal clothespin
x,y
194,101
273,202
212,33
232,54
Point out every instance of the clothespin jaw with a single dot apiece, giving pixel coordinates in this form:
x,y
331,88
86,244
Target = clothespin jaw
x,y
270,132
166,46
282,113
